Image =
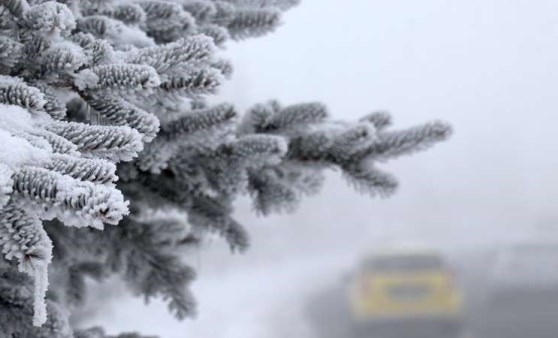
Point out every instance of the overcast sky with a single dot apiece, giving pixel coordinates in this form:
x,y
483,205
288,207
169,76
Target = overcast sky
x,y
486,66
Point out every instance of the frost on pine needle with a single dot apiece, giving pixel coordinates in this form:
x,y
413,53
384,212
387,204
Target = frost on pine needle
x,y
54,106
9,53
106,118
75,202
194,50
250,22
110,142
283,4
15,91
93,170
6,184
122,76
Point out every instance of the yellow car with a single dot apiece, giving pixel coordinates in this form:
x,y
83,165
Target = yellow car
x,y
405,290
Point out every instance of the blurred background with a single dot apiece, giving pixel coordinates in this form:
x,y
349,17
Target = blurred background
x,y
468,247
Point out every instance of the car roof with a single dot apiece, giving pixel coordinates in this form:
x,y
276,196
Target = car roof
x,y
403,250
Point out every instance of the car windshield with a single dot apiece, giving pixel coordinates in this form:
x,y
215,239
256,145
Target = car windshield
x,y
404,263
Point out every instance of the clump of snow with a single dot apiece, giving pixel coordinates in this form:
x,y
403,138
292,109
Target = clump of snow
x,y
10,79
14,118
50,17
16,151
134,37
86,79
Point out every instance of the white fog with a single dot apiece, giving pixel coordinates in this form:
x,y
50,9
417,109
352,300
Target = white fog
x,y
488,67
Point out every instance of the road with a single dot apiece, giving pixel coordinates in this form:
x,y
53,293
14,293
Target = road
x,y
328,315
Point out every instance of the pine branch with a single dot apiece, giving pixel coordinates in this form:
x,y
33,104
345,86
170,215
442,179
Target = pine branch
x,y
113,143
75,202
88,85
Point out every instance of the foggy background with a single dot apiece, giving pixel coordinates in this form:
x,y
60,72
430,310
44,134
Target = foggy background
x,y
486,66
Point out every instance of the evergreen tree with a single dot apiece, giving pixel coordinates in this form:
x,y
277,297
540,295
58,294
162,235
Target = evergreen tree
x,y
104,120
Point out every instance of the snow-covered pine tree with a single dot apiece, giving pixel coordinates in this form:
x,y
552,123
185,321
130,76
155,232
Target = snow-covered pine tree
x,y
104,120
